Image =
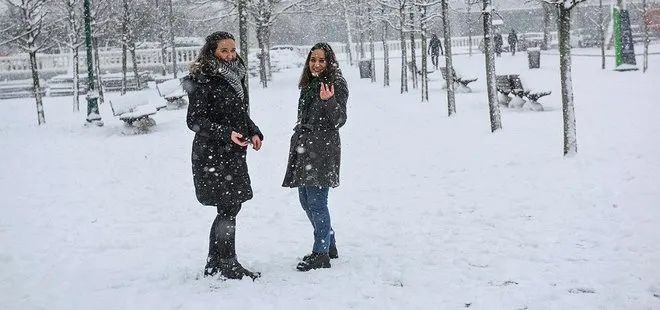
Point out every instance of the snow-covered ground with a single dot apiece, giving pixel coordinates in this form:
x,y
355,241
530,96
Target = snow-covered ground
x,y
433,212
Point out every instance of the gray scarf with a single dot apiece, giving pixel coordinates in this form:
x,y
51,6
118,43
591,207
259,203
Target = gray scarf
x,y
234,72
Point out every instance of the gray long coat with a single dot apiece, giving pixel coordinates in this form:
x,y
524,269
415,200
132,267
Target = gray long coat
x,y
219,165
315,151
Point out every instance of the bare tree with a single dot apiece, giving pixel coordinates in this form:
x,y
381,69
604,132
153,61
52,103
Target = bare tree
x,y
349,33
400,7
71,12
548,24
170,18
27,34
451,98
128,43
372,53
643,10
564,7
425,16
386,49
494,109
102,16
468,21
264,14
413,53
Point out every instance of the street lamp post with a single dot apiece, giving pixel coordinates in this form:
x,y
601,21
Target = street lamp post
x,y
93,115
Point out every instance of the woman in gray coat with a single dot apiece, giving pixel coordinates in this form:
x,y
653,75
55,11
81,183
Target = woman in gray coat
x,y
315,151
218,114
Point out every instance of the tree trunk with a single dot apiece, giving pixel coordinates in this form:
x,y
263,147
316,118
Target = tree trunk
x,y
645,23
404,56
135,67
99,80
451,97
171,28
547,25
124,67
76,80
601,33
570,135
349,34
41,118
494,109
424,79
243,34
163,54
469,25
161,38
263,51
386,53
413,59
372,52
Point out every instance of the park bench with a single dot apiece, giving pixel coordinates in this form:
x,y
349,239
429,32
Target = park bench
x,y
413,68
173,93
135,110
460,83
112,81
62,85
512,84
19,88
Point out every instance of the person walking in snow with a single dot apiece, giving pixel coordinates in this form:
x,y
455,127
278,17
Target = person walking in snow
x,y
512,38
315,150
218,114
435,49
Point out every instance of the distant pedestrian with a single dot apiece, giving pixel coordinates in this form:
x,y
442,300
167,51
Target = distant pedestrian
x,y
513,41
435,49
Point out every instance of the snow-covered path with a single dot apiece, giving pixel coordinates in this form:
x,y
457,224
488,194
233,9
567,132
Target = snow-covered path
x,y
432,213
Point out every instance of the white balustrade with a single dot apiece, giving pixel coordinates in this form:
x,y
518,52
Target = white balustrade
x,y
152,58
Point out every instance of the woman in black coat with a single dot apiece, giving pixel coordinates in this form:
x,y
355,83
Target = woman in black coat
x,y
218,114
315,150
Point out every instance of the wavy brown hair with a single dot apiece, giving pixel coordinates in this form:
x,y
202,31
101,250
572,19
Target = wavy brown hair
x,y
331,64
206,56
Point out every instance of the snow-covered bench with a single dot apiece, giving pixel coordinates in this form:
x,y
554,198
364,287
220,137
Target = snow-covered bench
x,y
20,88
135,109
173,93
512,84
460,83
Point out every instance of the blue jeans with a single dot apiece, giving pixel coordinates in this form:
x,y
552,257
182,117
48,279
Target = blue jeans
x,y
314,200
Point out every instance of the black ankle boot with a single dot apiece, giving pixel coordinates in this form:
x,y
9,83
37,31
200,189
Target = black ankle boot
x,y
212,266
230,268
315,261
332,253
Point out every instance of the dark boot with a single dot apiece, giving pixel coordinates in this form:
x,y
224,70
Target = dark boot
x,y
231,269
315,261
212,266
332,252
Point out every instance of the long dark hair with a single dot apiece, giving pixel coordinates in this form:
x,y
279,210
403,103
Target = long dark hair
x,y
331,64
207,52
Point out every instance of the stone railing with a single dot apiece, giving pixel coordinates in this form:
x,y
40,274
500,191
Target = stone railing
x,y
18,66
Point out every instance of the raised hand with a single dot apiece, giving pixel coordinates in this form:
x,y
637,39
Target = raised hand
x,y
327,92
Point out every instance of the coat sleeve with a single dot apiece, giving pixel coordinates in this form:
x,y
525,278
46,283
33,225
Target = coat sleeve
x,y
335,107
254,130
197,117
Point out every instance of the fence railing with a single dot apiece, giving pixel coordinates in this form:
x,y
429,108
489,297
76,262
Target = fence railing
x,y
151,59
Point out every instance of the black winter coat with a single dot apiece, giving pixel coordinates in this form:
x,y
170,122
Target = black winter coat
x,y
315,151
219,165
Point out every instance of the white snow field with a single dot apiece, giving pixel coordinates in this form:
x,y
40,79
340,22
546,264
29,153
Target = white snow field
x,y
432,212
